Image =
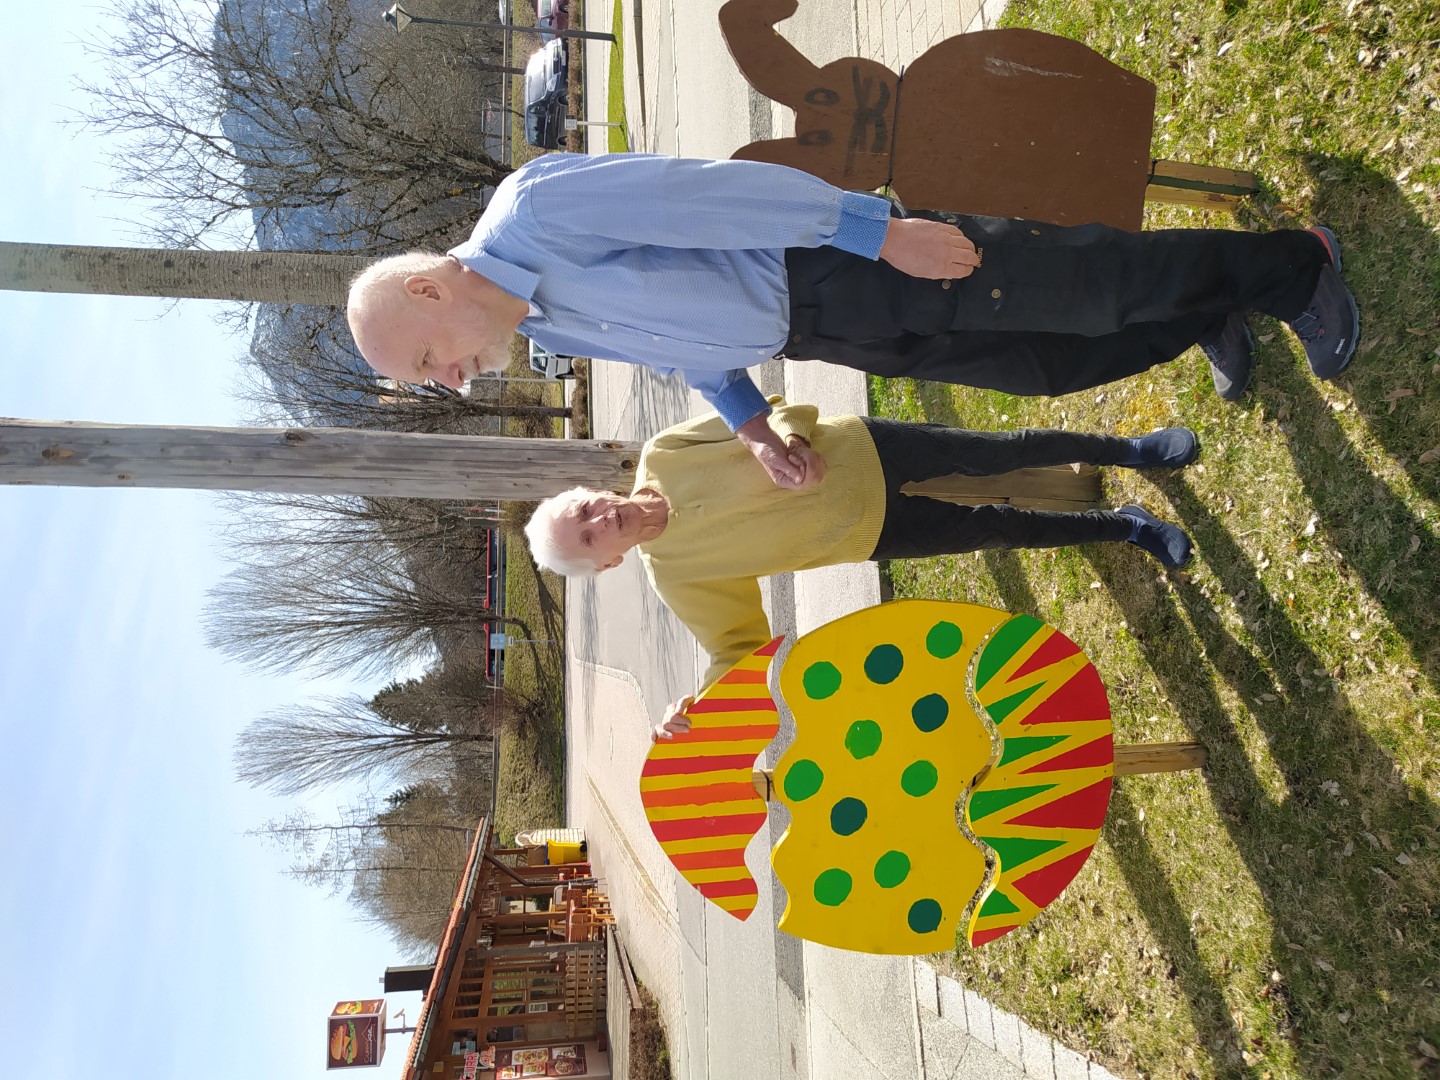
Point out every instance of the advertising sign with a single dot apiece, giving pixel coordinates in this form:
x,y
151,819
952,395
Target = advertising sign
x,y
356,1034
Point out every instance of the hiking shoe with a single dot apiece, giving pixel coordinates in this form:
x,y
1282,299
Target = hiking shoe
x,y
1168,448
1329,327
1232,357
1166,542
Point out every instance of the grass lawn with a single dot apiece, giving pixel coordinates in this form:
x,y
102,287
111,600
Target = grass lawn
x,y
1277,915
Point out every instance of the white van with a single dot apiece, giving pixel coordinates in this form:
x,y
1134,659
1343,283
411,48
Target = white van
x,y
551,365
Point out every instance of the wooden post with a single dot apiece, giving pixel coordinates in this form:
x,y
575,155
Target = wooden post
x,y
1198,185
337,461
1053,487
1131,760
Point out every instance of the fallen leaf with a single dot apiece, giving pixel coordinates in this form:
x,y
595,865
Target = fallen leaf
x,y
1429,457
1414,544
1292,945
1403,859
1265,339
1428,1050
1418,331
1322,965
1225,48
1310,525
1343,1017
1394,396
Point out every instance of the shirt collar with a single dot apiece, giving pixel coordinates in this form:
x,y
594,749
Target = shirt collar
x,y
511,278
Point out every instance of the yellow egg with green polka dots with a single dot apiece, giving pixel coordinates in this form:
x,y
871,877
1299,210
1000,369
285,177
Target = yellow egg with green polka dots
x,y
887,743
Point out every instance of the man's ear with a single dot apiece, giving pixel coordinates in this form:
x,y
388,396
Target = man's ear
x,y
422,286
616,561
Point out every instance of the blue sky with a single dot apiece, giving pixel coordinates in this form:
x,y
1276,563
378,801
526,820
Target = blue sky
x,y
130,895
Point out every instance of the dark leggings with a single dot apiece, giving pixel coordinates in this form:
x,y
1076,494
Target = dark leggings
x,y
917,526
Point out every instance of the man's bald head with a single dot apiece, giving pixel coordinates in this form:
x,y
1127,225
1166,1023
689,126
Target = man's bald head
x,y
422,316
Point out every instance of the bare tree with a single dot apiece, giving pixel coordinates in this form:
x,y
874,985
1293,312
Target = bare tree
x,y
332,608
246,111
344,739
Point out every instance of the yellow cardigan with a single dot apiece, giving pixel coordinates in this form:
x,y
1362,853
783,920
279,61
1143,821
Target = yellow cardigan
x,y
730,525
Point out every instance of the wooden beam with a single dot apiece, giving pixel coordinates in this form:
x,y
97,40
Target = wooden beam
x,y
1198,185
319,460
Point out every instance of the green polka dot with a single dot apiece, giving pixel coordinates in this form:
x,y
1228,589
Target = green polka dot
x,y
821,680
930,712
884,664
944,640
919,778
924,916
863,738
802,780
832,887
847,815
891,869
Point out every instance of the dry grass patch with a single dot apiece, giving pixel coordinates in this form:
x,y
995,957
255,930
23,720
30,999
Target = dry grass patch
x,y
1279,914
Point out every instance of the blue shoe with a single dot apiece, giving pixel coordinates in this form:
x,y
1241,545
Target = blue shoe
x,y
1232,357
1166,542
1329,327
1168,448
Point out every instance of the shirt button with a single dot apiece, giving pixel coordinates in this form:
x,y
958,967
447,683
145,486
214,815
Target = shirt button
x,y
654,337
945,284
995,294
796,339
759,352
1034,232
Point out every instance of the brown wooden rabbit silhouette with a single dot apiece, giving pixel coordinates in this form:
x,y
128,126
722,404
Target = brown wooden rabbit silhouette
x,y
1010,123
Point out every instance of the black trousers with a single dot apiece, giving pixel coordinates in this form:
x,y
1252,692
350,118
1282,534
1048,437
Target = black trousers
x,y
1052,309
917,526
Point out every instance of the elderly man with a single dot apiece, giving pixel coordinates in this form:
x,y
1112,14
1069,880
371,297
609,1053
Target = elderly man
x,y
707,267
709,524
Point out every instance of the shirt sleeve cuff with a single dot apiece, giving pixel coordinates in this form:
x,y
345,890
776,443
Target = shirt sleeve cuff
x,y
863,222
738,402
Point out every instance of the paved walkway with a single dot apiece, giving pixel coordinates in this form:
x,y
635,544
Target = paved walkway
x,y
741,1000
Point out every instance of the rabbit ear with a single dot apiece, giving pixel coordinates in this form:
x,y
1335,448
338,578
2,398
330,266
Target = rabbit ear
x,y
769,63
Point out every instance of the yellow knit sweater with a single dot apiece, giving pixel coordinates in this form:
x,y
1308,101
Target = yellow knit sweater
x,y
730,525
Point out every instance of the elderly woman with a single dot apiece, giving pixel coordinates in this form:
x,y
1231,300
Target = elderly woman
x,y
709,523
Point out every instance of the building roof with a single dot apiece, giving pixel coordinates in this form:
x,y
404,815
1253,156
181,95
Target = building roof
x,y
448,953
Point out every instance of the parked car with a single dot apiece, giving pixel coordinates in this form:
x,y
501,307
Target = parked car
x,y
549,15
546,75
551,365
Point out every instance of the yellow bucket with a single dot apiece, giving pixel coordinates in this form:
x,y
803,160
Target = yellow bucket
x,y
564,851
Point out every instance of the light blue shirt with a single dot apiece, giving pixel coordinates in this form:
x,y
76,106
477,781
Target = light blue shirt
x,y
674,263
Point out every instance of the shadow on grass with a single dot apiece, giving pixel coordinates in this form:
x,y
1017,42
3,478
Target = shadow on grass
x,y
1392,261
1355,933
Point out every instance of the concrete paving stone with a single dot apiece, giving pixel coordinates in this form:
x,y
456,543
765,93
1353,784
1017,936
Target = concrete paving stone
x,y
1037,1053
943,1047
952,1001
1100,1072
982,1018
983,1063
1069,1065
927,992
1007,1034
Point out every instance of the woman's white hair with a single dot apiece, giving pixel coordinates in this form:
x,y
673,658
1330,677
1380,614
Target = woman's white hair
x,y
379,283
540,532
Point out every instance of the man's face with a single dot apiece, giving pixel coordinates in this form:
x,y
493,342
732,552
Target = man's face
x,y
431,333
599,526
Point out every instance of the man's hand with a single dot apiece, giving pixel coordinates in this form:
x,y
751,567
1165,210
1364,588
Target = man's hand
x,y
762,440
928,249
675,722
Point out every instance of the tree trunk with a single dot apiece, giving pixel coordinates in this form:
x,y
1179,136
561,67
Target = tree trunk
x,y
281,277
333,461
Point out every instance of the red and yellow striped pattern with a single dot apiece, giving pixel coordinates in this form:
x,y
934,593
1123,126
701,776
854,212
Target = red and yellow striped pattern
x,y
698,788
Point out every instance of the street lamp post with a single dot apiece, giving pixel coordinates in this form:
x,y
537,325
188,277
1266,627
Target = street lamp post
x,y
399,18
